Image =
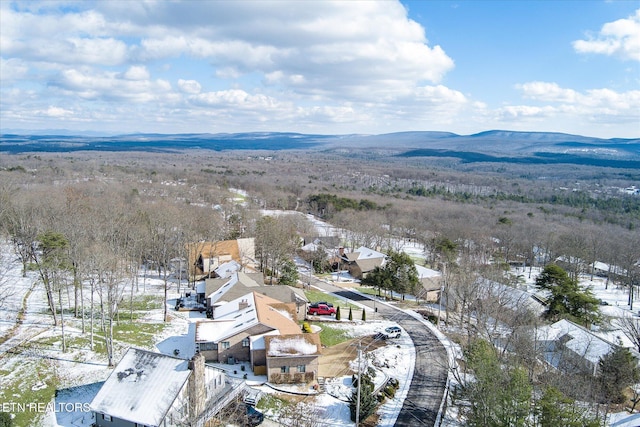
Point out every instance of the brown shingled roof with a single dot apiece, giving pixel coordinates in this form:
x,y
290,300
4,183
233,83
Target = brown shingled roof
x,y
270,313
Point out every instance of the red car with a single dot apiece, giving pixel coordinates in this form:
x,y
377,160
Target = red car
x,y
321,309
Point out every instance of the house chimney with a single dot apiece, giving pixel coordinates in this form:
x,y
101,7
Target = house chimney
x,y
243,304
196,391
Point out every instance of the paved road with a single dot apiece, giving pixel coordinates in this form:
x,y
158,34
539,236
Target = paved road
x,y
423,401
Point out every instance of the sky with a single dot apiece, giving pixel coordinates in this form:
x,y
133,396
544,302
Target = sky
x,y
321,67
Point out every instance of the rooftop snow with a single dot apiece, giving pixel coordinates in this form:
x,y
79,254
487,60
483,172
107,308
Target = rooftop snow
x,y
366,253
229,319
142,388
424,272
227,269
293,345
582,342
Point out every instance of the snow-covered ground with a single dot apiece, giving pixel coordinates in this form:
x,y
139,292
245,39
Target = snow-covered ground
x,y
80,372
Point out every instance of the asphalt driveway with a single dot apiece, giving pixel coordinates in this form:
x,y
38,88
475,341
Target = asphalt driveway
x,y
427,388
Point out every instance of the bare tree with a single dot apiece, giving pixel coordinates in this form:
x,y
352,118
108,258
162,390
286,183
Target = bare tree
x,y
166,242
276,240
20,223
631,328
6,290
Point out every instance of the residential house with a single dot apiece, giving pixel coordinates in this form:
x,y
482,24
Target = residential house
x,y
153,389
573,348
218,290
239,331
292,358
431,281
507,297
328,243
206,257
362,260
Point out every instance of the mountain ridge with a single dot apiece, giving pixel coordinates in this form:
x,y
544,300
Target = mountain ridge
x,y
491,145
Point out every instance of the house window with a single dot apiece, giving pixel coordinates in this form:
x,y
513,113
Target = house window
x,y
106,417
302,368
284,369
225,345
245,342
207,346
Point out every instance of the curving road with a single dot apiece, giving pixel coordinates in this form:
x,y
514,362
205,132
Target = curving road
x,y
427,388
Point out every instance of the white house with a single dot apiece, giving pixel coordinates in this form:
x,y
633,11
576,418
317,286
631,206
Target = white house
x,y
153,389
570,347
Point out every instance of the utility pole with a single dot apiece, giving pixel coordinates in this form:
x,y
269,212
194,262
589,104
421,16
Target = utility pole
x,y
442,287
359,383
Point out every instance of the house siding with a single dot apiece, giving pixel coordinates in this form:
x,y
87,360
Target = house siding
x,y
274,365
115,422
235,350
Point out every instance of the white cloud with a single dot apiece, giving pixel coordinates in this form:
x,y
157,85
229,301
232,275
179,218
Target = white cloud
x,y
620,38
62,38
440,95
568,109
89,84
137,72
234,98
589,101
334,48
341,66
57,112
545,91
12,69
189,86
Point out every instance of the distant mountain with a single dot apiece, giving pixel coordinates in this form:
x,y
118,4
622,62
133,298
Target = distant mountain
x,y
489,146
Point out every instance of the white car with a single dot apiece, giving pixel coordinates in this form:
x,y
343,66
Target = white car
x,y
391,332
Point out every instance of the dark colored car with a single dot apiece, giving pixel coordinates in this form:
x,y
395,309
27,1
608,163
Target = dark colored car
x,y
254,417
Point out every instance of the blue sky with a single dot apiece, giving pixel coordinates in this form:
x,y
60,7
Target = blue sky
x,y
321,67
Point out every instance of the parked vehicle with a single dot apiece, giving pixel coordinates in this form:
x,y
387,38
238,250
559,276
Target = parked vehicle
x,y
254,417
325,303
321,309
390,332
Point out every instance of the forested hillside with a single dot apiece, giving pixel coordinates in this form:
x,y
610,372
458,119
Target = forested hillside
x,y
111,212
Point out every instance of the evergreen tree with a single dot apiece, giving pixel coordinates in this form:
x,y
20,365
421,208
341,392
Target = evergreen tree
x,y
402,269
498,396
338,313
350,314
288,273
364,315
618,370
568,300
379,278
555,409
368,401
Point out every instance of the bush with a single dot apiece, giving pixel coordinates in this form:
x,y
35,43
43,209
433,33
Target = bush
x,y
5,419
306,328
390,391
